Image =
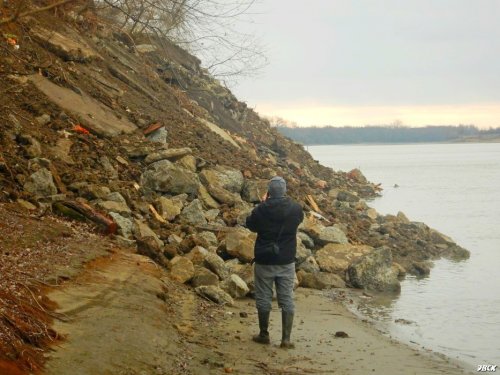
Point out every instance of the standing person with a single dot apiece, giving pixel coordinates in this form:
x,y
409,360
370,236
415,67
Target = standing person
x,y
275,220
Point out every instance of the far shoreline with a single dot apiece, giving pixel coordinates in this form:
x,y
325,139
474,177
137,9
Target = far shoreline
x,y
401,143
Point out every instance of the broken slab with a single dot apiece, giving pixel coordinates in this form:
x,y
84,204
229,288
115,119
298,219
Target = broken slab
x,y
91,113
219,131
66,46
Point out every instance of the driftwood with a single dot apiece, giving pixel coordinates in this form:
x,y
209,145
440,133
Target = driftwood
x,y
81,211
313,203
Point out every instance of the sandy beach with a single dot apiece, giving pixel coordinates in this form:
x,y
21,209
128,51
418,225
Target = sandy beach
x,y
124,316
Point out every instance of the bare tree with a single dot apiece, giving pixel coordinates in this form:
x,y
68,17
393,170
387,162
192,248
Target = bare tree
x,y
206,28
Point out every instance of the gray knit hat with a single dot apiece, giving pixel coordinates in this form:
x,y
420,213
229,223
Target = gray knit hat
x,y
277,187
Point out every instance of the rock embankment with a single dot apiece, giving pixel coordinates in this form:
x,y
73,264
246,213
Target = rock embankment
x,y
179,166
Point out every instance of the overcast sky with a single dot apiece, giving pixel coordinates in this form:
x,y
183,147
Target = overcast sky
x,y
358,62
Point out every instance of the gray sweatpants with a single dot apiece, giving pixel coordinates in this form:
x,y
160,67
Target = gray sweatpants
x,y
265,276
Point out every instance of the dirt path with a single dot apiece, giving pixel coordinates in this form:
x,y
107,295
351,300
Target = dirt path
x,y
125,317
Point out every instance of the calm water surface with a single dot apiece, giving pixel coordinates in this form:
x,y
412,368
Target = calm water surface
x,y
454,188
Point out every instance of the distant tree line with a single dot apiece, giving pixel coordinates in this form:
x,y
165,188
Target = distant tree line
x,y
383,134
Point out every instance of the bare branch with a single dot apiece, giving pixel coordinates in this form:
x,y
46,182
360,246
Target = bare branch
x,y
18,14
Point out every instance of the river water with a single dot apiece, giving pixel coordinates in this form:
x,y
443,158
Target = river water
x,y
454,188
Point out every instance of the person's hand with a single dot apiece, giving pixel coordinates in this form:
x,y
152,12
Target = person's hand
x,y
264,197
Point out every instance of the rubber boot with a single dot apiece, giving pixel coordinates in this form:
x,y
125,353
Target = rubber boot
x,y
263,336
287,323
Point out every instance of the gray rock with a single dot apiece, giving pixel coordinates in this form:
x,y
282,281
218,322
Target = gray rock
x,y
302,252
374,271
320,280
188,162
203,276
332,234
169,154
108,167
206,198
215,264
33,147
223,196
116,197
345,196
159,135
309,265
168,208
125,225
181,269
92,192
242,216
239,243
174,239
193,213
125,242
165,177
41,183
306,240
420,269
235,286
253,190
215,294
113,206
149,247
336,258
228,178
205,239
69,46
372,213
143,230
43,119
197,255
212,214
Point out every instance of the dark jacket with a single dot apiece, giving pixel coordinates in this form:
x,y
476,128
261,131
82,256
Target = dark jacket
x,y
266,220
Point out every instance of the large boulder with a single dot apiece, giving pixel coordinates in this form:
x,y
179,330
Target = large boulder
x,y
215,294
193,213
332,234
346,196
166,177
319,280
169,208
197,255
239,243
143,230
374,271
223,196
205,239
181,269
149,247
206,198
125,225
228,178
253,190
215,264
113,206
306,240
235,286
335,258
202,276
302,252
310,265
41,183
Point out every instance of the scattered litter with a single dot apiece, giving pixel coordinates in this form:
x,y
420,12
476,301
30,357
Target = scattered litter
x,y
80,129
